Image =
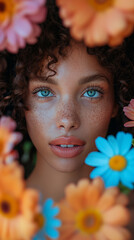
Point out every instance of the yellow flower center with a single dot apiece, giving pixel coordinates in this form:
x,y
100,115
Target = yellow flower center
x,y
7,8
88,221
40,220
101,5
117,163
8,206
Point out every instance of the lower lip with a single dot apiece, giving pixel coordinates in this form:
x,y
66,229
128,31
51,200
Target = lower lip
x,y
66,152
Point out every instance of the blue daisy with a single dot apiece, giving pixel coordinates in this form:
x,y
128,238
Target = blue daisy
x,y
115,161
50,222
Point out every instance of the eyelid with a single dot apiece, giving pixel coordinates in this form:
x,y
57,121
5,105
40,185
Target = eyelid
x,y
95,88
36,90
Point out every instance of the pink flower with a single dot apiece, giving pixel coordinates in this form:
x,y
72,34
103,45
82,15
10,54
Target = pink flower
x,y
18,23
129,112
8,139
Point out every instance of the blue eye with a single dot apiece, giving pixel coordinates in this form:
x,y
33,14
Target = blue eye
x,y
92,93
44,93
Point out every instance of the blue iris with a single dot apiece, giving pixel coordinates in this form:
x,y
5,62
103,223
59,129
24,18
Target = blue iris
x,y
44,93
92,93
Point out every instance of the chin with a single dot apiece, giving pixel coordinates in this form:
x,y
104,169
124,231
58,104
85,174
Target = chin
x,y
67,166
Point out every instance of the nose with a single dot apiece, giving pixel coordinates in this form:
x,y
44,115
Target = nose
x,y
67,117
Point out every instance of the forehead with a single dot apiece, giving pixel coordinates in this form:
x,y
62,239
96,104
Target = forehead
x,y
77,63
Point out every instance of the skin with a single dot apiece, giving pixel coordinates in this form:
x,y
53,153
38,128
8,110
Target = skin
x,y
68,110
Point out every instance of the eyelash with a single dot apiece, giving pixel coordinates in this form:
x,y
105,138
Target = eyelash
x,y
100,90
37,90
91,88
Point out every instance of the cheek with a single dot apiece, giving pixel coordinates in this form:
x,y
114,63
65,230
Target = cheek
x,y
98,118
37,125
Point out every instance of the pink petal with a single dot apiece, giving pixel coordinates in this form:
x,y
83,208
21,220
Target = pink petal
x,y
11,37
32,39
132,102
22,27
8,123
12,156
1,36
28,7
129,124
21,42
128,109
16,137
12,48
2,46
39,16
130,115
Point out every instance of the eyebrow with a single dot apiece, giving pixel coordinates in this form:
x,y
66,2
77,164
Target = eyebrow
x,y
83,80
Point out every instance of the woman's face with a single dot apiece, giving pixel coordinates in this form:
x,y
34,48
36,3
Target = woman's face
x,y
68,111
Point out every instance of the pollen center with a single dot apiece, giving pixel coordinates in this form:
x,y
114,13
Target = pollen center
x,y
40,220
88,221
2,6
117,163
8,206
7,8
101,5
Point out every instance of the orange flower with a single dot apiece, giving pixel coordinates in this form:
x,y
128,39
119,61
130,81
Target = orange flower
x,y
129,112
98,22
91,212
8,138
18,206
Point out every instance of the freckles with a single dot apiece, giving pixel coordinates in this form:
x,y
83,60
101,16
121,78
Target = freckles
x,y
64,112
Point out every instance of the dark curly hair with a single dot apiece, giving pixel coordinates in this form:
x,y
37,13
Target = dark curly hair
x,y
16,70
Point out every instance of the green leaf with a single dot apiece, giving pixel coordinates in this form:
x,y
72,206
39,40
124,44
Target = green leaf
x,y
133,142
124,189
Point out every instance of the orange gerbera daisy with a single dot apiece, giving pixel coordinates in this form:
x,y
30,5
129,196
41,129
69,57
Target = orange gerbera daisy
x,y
8,138
91,212
18,206
98,22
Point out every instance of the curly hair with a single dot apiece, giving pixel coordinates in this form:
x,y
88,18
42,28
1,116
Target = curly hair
x,y
54,41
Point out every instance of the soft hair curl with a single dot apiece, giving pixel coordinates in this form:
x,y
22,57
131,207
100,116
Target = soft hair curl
x,y
16,70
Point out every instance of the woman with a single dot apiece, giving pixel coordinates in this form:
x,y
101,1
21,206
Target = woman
x,y
65,95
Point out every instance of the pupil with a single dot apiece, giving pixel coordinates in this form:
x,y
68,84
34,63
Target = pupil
x,y
45,93
91,93
2,7
5,207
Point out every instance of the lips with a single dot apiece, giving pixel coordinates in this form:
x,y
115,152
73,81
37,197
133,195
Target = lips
x,y
67,147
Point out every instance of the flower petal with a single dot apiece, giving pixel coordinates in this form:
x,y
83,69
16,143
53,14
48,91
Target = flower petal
x,y
129,124
127,184
113,143
111,178
51,232
130,155
127,176
112,233
96,159
117,215
99,171
124,142
104,147
25,29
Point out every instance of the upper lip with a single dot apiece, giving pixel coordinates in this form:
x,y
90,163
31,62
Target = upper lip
x,y
67,141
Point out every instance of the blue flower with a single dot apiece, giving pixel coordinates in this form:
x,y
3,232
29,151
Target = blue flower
x,y
50,222
115,161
